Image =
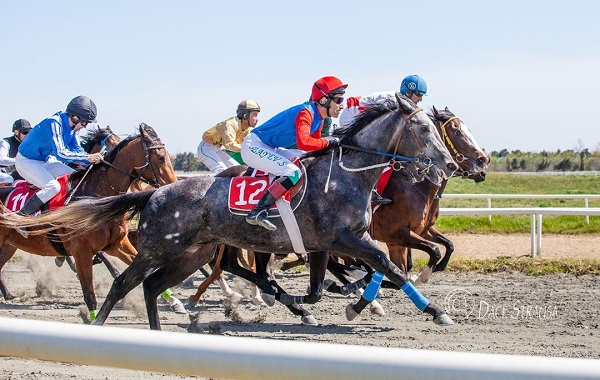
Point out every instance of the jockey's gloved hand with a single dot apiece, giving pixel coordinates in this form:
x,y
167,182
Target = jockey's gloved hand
x,y
333,141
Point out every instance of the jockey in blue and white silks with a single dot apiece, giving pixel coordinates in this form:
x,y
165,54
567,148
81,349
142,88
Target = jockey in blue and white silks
x,y
52,144
265,147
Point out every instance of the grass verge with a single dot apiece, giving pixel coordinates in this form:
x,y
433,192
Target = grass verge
x,y
526,265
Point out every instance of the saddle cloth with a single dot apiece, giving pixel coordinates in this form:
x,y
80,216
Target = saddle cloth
x,y
246,191
24,190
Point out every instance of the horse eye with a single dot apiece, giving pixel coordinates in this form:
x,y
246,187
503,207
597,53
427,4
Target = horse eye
x,y
161,158
424,128
457,133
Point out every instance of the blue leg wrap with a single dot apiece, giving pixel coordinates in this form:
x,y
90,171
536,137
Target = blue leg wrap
x,y
415,296
373,287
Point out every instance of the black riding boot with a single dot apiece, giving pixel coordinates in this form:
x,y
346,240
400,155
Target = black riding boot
x,y
378,199
31,206
259,216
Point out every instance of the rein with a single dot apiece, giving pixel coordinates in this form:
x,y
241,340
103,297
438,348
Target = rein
x,y
143,168
395,158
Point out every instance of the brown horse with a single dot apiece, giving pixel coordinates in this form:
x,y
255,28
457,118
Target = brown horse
x,y
140,157
419,202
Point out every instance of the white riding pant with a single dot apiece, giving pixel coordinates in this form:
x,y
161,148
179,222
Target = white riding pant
x,y
277,161
215,158
42,174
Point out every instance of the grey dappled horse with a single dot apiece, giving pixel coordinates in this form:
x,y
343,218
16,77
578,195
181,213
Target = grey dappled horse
x,y
334,214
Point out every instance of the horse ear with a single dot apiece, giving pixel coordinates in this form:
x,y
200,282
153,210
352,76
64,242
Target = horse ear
x,y
435,111
404,104
447,109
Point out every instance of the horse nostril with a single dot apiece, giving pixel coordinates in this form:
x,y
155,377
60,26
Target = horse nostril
x,y
482,160
452,166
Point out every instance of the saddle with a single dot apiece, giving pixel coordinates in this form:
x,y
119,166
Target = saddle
x,y
23,190
246,191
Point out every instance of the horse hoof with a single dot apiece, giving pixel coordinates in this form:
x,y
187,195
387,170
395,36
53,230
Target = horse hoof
x,y
415,280
176,305
277,264
377,310
350,313
309,320
259,302
328,283
443,320
269,299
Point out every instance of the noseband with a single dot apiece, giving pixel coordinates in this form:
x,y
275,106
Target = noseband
x,y
458,157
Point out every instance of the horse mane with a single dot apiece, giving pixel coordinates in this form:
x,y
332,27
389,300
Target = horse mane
x,y
95,136
110,157
364,118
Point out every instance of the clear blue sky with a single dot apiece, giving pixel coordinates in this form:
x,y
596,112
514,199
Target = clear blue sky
x,y
521,74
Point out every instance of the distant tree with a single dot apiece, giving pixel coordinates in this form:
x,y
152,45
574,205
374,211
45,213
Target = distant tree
x,y
564,165
503,153
542,165
522,165
187,162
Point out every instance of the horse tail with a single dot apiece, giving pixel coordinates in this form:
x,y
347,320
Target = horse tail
x,y
82,216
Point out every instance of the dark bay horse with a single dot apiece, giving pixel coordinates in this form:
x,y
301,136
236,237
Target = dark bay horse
x,y
140,157
334,213
408,221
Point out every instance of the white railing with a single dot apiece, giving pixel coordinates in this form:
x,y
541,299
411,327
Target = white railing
x,y
251,358
536,217
586,198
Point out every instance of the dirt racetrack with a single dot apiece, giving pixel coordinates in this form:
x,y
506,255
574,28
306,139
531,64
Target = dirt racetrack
x,y
508,313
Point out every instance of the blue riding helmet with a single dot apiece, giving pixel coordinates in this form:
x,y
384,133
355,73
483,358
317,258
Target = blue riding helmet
x,y
413,83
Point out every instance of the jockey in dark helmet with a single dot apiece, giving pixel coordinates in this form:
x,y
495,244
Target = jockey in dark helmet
x,y
52,144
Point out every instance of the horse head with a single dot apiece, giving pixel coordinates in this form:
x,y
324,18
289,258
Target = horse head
x,y
421,140
145,158
471,159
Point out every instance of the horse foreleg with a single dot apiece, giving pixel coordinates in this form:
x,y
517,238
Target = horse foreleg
x,y
215,275
170,275
436,236
365,249
114,272
83,266
6,252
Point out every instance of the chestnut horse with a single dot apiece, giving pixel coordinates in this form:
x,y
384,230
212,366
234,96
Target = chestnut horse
x,y
140,157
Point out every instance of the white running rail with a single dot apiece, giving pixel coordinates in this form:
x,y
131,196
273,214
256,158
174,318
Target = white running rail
x,y
251,358
535,213
586,198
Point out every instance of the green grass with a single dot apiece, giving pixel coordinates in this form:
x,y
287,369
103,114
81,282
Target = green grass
x,y
526,265
508,183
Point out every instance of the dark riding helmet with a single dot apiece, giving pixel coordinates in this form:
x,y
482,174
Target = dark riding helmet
x,y
83,107
327,86
22,125
245,107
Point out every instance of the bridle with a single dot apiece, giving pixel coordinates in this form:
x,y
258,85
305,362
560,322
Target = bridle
x,y
458,157
397,160
140,169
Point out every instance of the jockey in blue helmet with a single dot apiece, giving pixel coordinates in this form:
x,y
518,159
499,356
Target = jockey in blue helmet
x,y
414,87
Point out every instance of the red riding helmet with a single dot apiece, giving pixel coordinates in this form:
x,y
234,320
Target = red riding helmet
x,y
327,86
